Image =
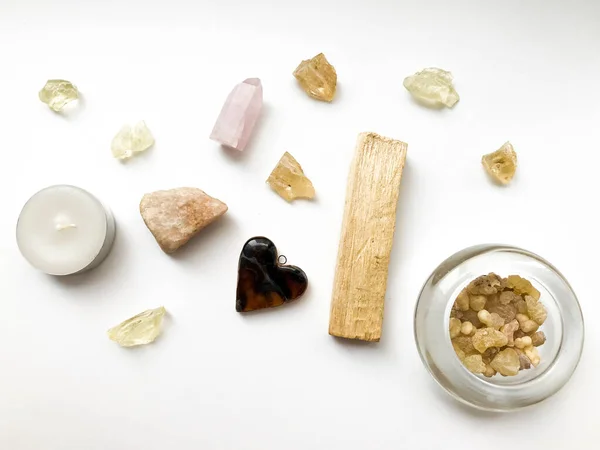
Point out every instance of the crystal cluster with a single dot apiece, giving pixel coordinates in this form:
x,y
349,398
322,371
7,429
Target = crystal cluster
x,y
501,165
317,77
432,87
139,330
131,140
289,181
57,93
239,114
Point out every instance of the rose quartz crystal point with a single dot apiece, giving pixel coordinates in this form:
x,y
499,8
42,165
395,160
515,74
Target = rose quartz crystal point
x,y
239,114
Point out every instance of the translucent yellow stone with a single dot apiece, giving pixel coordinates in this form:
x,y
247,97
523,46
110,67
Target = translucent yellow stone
x,y
501,165
131,140
139,330
289,181
432,87
317,77
57,93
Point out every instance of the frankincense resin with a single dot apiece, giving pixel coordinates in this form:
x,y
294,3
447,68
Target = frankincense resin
x,y
494,325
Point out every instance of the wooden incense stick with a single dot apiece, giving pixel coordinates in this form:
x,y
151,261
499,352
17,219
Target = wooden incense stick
x,y
366,239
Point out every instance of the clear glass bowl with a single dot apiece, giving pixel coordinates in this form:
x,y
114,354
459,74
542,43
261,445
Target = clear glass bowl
x,y
564,329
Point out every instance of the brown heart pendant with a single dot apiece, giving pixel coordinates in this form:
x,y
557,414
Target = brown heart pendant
x,y
262,281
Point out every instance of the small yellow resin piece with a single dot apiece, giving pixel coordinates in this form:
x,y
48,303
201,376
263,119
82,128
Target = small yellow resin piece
x,y
501,165
139,330
131,140
432,87
474,363
521,286
289,181
57,93
317,77
507,362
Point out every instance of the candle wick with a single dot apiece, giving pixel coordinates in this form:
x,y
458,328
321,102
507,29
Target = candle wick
x,y
60,227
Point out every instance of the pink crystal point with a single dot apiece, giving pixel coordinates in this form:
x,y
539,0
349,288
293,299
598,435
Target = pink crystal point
x,y
239,114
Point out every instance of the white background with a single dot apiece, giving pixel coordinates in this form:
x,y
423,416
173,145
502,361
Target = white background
x,y
527,72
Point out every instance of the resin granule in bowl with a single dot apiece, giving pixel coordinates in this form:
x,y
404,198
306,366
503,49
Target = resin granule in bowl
x,y
455,363
495,325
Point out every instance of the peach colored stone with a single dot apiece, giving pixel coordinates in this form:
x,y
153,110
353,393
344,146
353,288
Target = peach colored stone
x,y
177,215
239,115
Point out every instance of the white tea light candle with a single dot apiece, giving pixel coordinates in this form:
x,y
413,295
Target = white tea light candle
x,y
64,230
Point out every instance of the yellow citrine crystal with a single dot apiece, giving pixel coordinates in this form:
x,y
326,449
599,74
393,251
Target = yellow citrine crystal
x,y
501,165
289,181
317,77
432,87
131,140
139,330
57,93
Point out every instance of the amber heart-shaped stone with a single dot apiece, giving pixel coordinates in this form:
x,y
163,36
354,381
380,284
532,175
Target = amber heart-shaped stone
x,y
262,281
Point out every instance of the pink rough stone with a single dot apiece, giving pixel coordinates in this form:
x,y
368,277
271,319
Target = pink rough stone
x,y
239,114
177,215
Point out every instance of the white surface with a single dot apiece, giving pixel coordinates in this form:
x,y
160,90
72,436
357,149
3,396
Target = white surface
x,y
62,229
526,72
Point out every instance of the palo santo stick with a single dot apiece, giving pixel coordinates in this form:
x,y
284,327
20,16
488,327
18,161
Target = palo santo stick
x,y
366,239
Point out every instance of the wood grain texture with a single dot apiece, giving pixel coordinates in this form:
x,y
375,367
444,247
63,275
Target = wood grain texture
x,y
366,238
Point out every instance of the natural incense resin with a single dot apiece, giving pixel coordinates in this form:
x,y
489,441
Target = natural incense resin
x,y
494,325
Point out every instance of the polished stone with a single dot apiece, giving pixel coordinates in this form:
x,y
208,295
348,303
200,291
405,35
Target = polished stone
x,y
262,281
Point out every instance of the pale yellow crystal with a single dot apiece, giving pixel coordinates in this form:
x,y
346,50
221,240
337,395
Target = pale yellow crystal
x,y
57,93
501,165
139,330
131,140
317,77
432,87
289,181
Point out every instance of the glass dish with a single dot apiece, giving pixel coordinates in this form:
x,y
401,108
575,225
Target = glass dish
x,y
564,329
